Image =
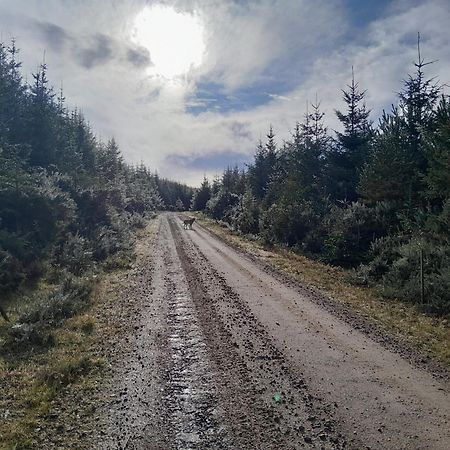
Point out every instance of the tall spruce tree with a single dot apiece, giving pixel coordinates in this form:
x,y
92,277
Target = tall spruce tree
x,y
263,168
309,152
437,150
201,196
418,99
348,154
13,101
41,133
398,163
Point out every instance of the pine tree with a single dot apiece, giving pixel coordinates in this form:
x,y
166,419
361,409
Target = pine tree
x,y
84,142
417,103
347,156
13,100
304,171
389,172
41,135
201,196
109,161
397,164
437,150
263,169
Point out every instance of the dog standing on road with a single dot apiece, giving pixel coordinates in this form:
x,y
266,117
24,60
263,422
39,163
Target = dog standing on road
x,y
187,223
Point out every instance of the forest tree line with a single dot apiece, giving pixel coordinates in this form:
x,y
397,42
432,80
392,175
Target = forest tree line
x,y
68,201
375,199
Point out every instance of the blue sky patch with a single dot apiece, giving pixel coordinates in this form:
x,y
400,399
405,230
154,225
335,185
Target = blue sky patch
x,y
211,96
361,13
210,162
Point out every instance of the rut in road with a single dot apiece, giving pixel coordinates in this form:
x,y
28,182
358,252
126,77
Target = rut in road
x,y
227,356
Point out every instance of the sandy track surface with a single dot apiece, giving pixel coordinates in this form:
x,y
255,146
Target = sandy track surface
x,y
225,355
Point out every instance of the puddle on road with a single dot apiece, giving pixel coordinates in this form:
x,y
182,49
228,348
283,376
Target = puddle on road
x,y
189,393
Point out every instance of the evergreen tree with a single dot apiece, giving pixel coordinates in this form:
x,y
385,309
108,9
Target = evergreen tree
x,y
13,104
347,156
437,150
201,196
41,132
397,164
109,160
418,99
264,166
303,176
389,172
65,197
84,143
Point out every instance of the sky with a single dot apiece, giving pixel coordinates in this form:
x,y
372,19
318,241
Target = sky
x,y
188,87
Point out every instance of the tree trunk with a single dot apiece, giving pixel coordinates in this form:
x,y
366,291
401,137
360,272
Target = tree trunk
x,y
3,313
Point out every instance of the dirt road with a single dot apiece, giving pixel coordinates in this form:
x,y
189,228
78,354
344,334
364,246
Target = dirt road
x,y
227,355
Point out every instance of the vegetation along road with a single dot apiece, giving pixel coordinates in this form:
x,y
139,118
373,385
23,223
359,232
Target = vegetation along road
x,y
226,353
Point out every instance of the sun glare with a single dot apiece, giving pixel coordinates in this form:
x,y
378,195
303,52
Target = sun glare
x,y
174,39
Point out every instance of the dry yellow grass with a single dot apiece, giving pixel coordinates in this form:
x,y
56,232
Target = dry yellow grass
x,y
431,335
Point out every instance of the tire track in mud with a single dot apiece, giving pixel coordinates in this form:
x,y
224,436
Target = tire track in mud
x,y
268,406
190,401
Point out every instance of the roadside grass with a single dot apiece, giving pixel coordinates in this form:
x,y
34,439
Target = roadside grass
x,y
429,334
36,379
31,383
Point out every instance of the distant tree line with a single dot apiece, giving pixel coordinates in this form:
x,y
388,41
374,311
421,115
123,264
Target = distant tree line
x,y
372,198
68,201
175,196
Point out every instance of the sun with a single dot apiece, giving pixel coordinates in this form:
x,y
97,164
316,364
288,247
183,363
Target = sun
x,y
174,39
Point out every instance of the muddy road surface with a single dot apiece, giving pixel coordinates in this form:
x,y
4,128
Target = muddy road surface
x,y
224,354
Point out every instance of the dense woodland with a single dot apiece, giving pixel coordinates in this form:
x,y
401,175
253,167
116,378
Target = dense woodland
x,y
68,201
375,199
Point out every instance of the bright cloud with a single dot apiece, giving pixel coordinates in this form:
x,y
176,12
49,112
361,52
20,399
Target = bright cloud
x,y
174,39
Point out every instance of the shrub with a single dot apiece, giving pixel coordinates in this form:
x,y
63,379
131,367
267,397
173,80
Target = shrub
x,y
245,215
75,255
402,279
120,260
290,224
136,220
382,254
11,272
109,241
350,233
437,286
219,206
30,334
70,298
46,311
395,266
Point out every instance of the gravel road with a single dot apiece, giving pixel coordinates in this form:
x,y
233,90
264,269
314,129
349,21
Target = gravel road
x,y
224,354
